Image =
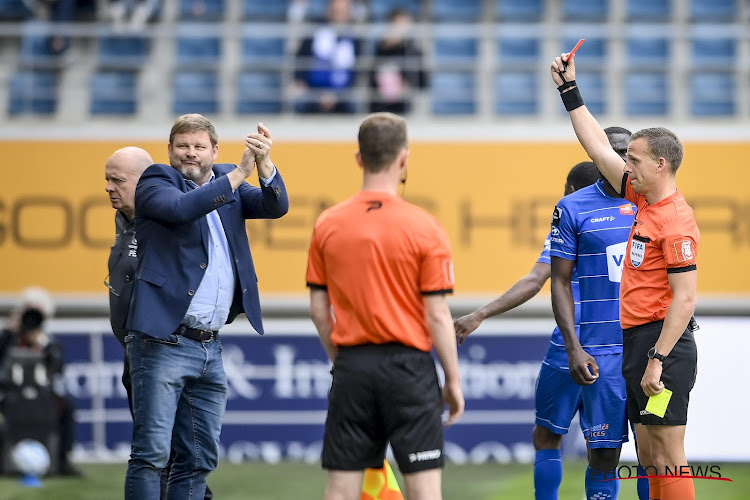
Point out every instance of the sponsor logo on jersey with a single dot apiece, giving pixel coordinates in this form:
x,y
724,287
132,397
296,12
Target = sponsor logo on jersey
x,y
615,257
683,250
609,218
556,215
626,209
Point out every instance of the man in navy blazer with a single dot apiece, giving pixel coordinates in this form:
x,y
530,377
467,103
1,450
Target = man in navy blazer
x,y
195,273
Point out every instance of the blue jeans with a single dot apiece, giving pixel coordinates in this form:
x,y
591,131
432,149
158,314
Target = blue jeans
x,y
179,396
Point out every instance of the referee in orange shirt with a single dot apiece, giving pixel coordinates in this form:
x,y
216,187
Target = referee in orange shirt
x,y
658,289
379,269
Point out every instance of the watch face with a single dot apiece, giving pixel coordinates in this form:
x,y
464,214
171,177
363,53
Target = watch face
x,y
651,352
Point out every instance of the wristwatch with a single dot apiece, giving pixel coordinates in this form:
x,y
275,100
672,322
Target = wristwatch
x,y
654,354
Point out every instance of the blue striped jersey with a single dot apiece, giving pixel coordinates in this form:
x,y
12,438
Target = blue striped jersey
x,y
556,356
592,228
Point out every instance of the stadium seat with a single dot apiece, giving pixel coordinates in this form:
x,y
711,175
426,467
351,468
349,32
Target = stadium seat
x,y
519,52
649,10
647,53
33,92
714,53
585,10
14,10
113,93
263,10
456,51
262,50
36,51
453,93
594,91
195,91
646,94
259,92
519,10
198,45
456,11
202,10
123,51
379,9
516,93
712,11
713,94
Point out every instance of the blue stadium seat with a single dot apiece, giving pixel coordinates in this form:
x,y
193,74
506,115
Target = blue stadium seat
x,y
456,51
516,93
714,52
33,92
198,45
647,53
263,10
259,92
519,10
712,11
14,10
126,51
585,10
262,50
519,51
453,93
594,91
113,93
592,54
713,94
195,92
649,10
379,9
202,10
36,51
646,94
456,11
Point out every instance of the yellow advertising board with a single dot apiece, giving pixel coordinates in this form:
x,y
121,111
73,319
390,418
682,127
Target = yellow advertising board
x,y
494,199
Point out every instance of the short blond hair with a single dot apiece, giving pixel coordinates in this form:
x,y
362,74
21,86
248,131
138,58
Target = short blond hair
x,y
194,122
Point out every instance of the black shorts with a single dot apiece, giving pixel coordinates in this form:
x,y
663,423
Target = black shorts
x,y
678,373
383,393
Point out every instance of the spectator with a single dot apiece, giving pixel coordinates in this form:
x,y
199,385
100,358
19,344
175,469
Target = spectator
x,y
25,333
135,13
398,68
326,64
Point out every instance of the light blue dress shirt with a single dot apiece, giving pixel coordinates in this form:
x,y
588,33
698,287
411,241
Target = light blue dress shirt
x,y
210,306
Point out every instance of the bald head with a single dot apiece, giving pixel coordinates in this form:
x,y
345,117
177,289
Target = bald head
x,y
122,172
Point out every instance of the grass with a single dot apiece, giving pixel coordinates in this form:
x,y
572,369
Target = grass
x,y
293,481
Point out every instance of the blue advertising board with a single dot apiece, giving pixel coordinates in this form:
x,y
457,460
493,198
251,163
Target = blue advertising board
x,y
278,389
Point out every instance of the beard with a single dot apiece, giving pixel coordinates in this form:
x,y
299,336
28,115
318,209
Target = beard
x,y
195,173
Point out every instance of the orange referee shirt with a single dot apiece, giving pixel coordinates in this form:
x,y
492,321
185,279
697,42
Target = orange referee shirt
x,y
377,255
664,239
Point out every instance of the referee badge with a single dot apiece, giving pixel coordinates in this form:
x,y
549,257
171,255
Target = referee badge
x,y
637,252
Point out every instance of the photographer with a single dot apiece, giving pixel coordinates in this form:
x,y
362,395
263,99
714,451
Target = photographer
x,y
25,337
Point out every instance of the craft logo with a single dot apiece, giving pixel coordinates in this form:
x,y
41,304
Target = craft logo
x,y
682,471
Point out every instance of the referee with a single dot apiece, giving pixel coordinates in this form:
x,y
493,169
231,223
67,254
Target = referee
x,y
659,284
379,269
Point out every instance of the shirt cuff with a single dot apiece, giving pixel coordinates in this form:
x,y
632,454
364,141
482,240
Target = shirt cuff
x,y
267,182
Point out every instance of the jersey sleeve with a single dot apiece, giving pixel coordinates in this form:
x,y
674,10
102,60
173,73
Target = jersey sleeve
x,y
544,256
436,268
564,234
316,268
680,248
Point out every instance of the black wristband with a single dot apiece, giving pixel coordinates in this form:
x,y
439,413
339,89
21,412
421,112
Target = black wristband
x,y
572,99
566,85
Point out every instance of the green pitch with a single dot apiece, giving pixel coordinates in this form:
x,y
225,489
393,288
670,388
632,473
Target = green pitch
x,y
305,482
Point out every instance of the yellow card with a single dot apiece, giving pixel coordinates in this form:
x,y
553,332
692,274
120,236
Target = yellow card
x,y
657,405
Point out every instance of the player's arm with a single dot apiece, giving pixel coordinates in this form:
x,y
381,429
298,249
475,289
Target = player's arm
x,y
320,312
521,292
684,287
590,133
563,307
439,319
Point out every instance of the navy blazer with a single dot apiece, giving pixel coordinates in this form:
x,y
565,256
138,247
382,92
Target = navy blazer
x,y
173,243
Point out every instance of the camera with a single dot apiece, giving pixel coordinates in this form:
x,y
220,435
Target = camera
x,y
31,319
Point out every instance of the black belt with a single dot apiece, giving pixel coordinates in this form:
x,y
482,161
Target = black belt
x,y
196,334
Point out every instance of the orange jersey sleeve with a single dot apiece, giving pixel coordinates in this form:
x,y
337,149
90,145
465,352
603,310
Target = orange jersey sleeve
x,y
316,267
436,269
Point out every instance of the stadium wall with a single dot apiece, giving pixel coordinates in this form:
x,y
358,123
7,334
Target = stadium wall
x,y
495,199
